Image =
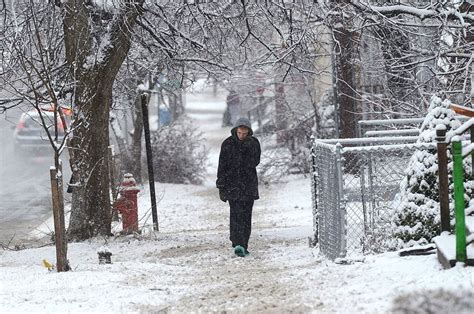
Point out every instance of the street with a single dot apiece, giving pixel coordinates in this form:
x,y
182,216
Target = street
x,y
25,197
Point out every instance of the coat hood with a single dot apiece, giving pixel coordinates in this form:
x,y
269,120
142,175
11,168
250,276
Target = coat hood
x,y
242,122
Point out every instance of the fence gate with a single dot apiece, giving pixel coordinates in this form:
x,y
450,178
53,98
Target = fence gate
x,y
328,209
356,191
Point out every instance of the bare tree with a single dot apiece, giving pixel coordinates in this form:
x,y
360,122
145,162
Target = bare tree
x,y
32,73
425,49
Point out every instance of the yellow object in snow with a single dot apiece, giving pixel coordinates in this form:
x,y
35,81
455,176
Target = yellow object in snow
x,y
48,265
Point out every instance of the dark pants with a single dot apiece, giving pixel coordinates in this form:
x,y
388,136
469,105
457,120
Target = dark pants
x,y
240,222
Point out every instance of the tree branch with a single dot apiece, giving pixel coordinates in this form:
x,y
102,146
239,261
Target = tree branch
x,y
466,18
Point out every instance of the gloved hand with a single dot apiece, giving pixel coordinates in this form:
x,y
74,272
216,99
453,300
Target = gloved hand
x,y
222,195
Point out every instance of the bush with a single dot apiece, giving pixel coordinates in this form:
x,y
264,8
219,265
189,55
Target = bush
x,y
179,153
418,218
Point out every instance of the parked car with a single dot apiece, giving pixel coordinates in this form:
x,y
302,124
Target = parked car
x,y
30,138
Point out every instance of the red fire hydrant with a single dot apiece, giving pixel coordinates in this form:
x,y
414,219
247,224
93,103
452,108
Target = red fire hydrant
x,y
127,204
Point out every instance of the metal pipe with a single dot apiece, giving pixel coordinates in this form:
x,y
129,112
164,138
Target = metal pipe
x,y
458,176
149,157
472,154
372,140
363,194
392,132
314,177
341,202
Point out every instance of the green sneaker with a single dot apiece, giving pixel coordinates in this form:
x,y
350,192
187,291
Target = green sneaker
x,y
239,251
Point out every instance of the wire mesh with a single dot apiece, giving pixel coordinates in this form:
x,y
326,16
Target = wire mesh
x,y
356,191
326,200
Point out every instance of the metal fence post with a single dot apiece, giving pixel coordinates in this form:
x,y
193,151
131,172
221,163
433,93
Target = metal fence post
x,y
443,177
315,192
472,154
370,175
149,158
340,200
363,193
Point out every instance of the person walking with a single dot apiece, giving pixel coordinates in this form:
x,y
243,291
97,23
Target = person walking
x,y
237,181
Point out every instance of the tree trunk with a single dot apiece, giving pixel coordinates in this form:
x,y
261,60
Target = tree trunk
x,y
345,94
94,68
176,105
280,112
345,84
91,212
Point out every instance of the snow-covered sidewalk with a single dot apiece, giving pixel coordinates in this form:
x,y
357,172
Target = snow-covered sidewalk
x,y
189,265
191,268
182,270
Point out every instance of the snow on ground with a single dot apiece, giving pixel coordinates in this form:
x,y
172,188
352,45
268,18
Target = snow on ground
x,y
189,265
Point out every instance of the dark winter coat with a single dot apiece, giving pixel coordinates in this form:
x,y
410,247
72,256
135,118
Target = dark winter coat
x,y
237,173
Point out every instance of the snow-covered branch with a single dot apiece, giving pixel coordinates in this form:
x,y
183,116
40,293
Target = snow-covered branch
x,y
435,11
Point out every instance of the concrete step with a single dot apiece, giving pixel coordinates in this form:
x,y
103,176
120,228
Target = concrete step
x,y
446,250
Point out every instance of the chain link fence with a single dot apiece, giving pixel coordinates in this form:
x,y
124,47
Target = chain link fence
x,y
356,190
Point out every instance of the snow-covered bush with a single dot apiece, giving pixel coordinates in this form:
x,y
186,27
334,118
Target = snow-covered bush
x,y
179,154
417,220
